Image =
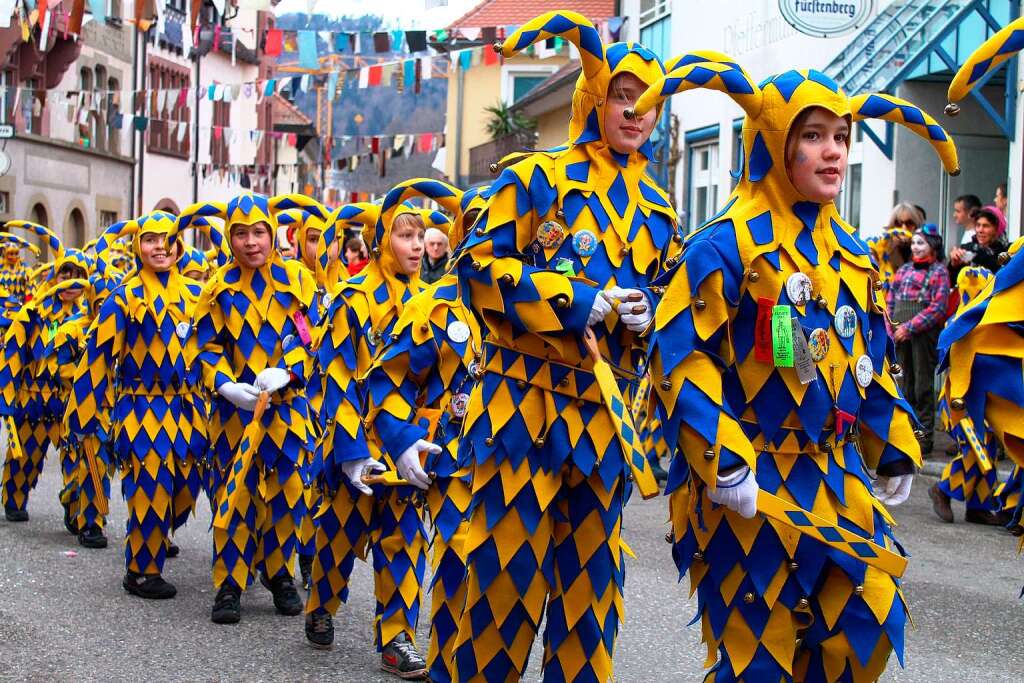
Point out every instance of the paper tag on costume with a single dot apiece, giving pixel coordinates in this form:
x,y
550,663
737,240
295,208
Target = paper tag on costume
x,y
806,370
763,331
458,331
782,337
565,267
864,370
181,329
51,331
302,327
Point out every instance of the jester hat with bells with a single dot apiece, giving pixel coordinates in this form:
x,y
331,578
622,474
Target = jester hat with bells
x,y
988,57
60,255
299,223
250,209
13,244
377,222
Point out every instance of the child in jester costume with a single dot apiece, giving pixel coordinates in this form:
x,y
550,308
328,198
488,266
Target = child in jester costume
x,y
14,274
30,384
354,517
304,229
137,385
426,371
981,345
567,235
970,477
254,334
774,373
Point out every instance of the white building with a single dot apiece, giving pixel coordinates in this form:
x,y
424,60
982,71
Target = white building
x,y
900,48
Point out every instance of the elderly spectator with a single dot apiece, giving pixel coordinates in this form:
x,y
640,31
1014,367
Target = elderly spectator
x,y
917,303
436,261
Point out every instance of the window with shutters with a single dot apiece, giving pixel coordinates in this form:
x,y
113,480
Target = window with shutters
x,y
170,118
219,133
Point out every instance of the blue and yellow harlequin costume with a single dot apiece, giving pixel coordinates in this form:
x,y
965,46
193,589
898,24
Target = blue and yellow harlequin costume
x,y
246,321
429,363
964,478
981,345
14,274
137,387
549,474
775,605
30,382
362,313
881,247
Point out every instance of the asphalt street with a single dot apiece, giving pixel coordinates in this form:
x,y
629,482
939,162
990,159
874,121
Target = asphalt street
x,y
64,615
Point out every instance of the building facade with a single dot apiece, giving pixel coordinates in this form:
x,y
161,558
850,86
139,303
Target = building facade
x,y
901,49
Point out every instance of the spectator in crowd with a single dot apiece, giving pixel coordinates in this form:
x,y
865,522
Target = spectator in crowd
x,y
356,255
892,248
1000,199
987,244
963,208
917,303
436,261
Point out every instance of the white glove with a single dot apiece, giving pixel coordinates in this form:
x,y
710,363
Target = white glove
x,y
632,305
242,394
354,470
273,379
738,492
599,311
408,463
893,490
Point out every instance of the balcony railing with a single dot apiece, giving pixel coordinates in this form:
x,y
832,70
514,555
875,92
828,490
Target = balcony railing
x,y
482,156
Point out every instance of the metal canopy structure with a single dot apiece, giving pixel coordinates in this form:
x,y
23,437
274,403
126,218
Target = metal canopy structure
x,y
913,38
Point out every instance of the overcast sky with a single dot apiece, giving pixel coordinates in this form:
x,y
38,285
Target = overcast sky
x,y
396,13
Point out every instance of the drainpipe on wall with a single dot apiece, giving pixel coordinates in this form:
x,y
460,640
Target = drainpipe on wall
x,y
457,169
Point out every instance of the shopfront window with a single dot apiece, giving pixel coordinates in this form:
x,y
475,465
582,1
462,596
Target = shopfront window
x,y
703,182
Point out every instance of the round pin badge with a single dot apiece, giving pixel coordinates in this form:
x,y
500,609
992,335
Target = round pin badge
x,y
181,329
864,370
845,321
818,343
584,243
327,300
374,337
550,234
458,331
460,402
798,288
288,340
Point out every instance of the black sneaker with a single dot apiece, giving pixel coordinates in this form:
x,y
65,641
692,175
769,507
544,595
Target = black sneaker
x,y
13,515
320,630
286,598
401,659
306,571
92,537
148,586
227,606
172,550
69,522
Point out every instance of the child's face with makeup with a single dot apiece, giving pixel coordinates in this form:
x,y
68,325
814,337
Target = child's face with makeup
x,y
816,154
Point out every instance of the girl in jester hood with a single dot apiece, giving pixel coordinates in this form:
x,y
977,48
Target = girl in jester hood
x,y
14,274
137,387
427,370
982,344
352,516
254,334
30,385
566,235
775,375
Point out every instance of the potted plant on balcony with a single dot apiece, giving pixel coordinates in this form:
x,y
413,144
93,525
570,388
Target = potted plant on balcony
x,y
504,121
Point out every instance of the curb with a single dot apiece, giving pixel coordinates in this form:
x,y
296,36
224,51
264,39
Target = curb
x,y
933,468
